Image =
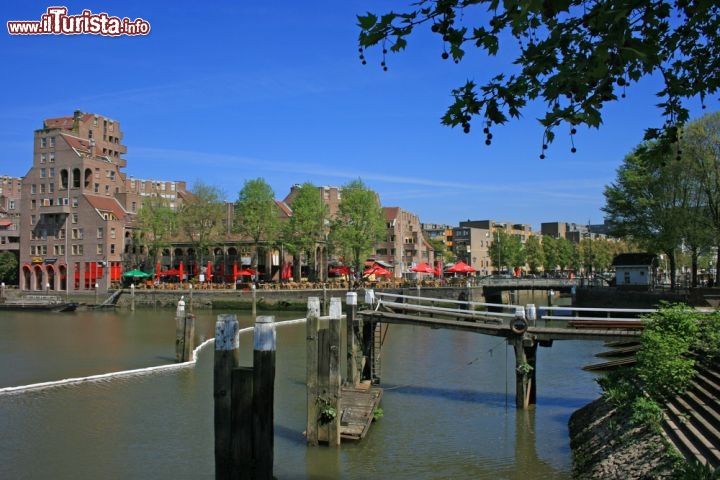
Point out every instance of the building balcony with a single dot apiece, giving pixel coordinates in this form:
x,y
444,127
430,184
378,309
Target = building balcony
x,y
54,209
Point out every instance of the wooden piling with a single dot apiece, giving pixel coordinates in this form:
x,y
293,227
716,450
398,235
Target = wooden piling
x,y
242,424
333,381
132,297
227,350
263,396
311,361
525,365
352,329
254,300
184,332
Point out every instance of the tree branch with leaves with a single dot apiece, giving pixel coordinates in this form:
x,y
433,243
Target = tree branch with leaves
x,y
575,56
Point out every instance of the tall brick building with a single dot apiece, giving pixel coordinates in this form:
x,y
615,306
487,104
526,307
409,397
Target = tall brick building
x,y
72,224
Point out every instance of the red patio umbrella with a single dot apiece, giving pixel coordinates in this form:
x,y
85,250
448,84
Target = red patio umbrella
x,y
461,267
246,272
423,268
378,271
181,269
287,271
340,270
157,272
170,273
209,271
438,268
235,271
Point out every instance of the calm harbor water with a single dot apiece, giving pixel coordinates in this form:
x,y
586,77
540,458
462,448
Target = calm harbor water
x,y
448,404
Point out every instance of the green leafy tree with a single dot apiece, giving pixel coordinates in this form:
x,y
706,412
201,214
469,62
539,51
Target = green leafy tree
x,y
506,251
571,55
359,223
649,201
308,224
442,252
8,268
256,215
701,146
158,224
550,250
565,252
534,253
201,218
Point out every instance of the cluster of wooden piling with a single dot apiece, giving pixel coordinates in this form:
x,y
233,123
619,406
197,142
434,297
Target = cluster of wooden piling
x,y
244,401
244,396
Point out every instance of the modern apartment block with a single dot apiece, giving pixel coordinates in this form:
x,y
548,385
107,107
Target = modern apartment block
x,y
72,224
472,240
574,232
10,194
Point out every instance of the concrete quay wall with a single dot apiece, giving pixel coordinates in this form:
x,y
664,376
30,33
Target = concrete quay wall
x,y
268,299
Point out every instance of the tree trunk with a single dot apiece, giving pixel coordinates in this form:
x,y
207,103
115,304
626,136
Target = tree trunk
x,y
671,259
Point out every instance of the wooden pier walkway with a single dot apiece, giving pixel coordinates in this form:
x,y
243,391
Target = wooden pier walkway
x,y
357,410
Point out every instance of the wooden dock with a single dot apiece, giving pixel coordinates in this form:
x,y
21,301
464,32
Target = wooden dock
x,y
357,408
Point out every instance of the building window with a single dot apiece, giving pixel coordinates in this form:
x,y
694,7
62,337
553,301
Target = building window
x,y
33,188
107,189
97,188
33,204
52,157
77,249
43,142
112,249
52,172
52,141
43,173
134,206
51,188
74,218
43,157
99,249
100,232
32,219
112,232
42,188
61,234
75,202
11,205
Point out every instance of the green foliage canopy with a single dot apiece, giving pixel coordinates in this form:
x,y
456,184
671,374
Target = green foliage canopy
x,y
573,55
201,217
359,223
256,214
8,268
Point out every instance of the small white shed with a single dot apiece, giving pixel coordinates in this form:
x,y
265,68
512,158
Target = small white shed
x,y
635,270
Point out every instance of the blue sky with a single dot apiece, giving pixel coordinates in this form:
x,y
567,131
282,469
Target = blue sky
x,y
230,91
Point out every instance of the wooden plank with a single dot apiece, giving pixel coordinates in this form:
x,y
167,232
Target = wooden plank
x,y
358,408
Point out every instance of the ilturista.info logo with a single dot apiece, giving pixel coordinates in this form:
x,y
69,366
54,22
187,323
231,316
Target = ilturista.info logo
x,y
56,21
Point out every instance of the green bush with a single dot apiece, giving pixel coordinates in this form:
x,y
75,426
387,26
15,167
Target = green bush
x,y
646,411
664,365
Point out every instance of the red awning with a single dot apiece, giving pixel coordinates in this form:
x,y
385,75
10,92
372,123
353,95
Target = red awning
x,y
5,222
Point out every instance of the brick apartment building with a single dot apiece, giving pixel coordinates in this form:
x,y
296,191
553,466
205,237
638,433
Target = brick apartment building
x,y
405,245
10,193
72,223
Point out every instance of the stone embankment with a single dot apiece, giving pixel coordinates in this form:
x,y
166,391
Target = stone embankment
x,y
606,446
